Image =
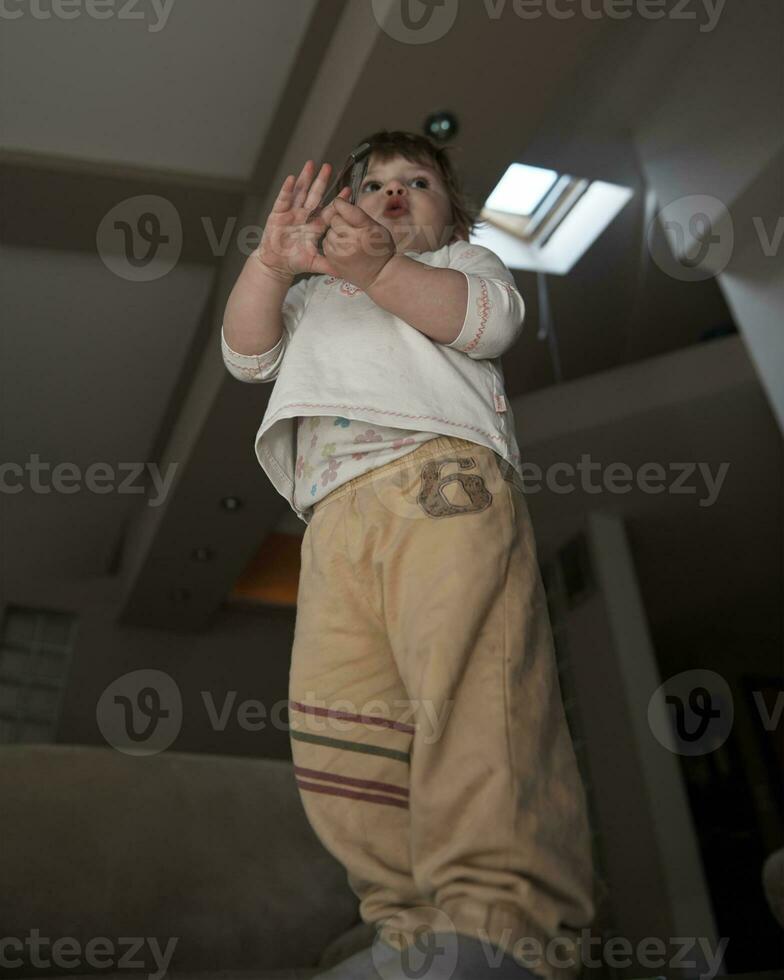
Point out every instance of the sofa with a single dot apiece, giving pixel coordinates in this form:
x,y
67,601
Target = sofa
x,y
164,865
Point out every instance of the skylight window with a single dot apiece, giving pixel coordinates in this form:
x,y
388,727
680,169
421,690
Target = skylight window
x,y
539,220
521,189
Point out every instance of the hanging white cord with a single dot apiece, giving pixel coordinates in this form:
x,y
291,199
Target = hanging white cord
x,y
635,317
546,325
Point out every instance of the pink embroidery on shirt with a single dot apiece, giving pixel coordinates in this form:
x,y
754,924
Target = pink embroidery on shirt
x,y
399,443
349,289
483,308
258,363
246,372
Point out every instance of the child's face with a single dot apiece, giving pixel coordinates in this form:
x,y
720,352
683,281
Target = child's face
x,y
424,211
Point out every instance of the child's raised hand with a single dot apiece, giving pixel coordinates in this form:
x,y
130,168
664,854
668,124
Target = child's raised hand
x,y
356,246
289,244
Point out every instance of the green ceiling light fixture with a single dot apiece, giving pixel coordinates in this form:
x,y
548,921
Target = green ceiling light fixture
x,y
441,126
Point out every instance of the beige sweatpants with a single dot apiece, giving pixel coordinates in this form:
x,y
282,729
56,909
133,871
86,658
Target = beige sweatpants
x,y
428,735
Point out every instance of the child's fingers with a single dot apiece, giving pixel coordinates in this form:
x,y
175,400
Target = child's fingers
x,y
339,223
351,215
321,266
330,210
302,185
318,187
283,200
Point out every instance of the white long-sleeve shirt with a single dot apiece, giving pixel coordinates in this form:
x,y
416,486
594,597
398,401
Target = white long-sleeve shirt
x,y
341,355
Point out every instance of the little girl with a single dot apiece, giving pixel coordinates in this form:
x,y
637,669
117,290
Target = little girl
x,y
428,735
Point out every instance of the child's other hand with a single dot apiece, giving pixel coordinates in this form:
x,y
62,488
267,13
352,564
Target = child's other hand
x,y
289,245
356,246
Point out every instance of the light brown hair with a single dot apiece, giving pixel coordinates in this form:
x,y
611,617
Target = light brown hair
x,y
386,144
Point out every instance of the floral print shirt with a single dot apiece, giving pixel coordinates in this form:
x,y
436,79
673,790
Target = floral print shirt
x,y
331,450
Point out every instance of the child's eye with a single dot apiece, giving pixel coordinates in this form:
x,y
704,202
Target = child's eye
x,y
371,185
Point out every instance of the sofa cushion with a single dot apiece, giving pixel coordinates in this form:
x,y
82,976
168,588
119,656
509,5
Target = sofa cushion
x,y
303,973
210,855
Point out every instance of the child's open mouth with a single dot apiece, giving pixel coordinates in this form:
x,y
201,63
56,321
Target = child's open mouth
x,y
395,210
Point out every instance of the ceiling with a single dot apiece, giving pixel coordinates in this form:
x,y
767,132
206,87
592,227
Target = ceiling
x,y
193,94
209,110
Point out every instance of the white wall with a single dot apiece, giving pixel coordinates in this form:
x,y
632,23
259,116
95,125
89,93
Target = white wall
x,y
713,144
